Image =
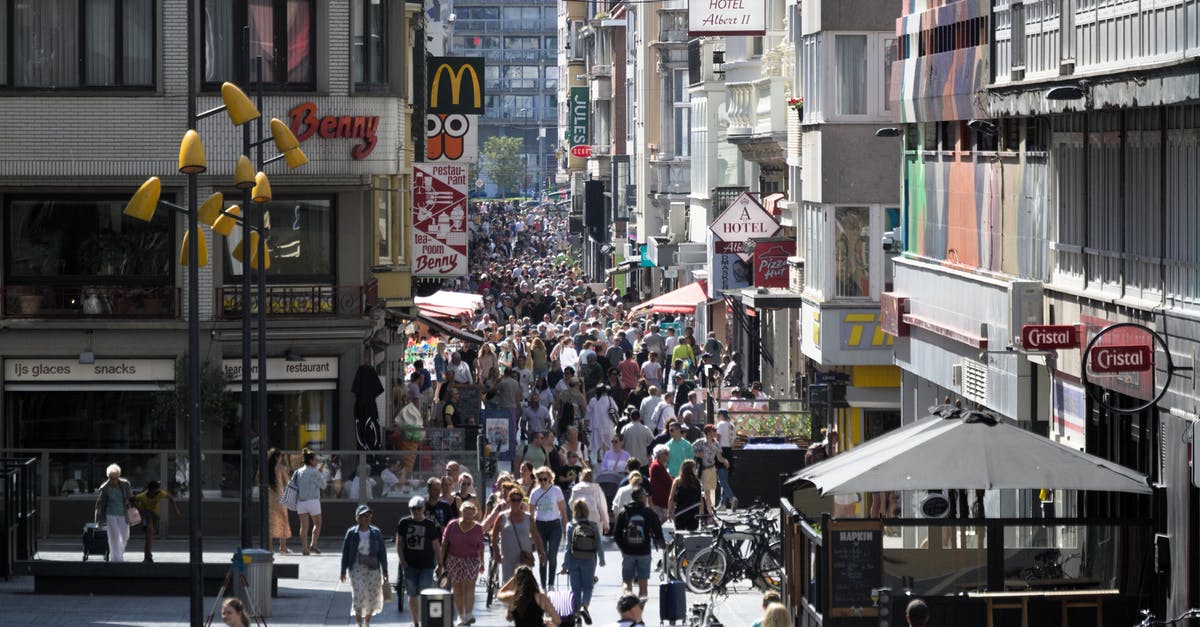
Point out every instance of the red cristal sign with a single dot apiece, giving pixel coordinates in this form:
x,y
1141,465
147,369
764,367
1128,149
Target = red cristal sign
x,y
304,123
770,262
1043,337
1120,359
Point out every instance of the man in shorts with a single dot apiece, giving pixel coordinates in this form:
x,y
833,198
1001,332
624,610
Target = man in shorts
x,y
637,529
419,547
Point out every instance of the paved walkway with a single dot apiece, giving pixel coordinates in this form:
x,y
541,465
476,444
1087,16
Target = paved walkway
x,y
316,598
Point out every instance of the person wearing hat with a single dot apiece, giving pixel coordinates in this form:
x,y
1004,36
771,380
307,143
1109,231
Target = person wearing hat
x,y
419,550
364,556
630,608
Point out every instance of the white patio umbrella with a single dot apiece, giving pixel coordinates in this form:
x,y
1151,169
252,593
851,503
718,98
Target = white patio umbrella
x,y
974,450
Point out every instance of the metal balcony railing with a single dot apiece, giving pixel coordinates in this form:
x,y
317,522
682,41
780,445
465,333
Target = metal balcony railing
x,y
342,301
91,301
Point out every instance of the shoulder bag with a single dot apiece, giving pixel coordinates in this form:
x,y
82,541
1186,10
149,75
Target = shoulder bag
x,y
526,556
132,515
291,494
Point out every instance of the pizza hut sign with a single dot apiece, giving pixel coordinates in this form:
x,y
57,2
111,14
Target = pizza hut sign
x,y
770,262
1120,359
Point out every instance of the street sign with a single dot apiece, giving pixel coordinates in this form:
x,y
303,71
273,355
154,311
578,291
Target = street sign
x,y
744,219
582,151
1044,337
1120,359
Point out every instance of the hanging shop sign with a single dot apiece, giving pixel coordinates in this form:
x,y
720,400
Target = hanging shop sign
x,y
1044,337
455,85
38,370
770,262
305,123
579,131
727,17
452,137
439,220
280,369
743,220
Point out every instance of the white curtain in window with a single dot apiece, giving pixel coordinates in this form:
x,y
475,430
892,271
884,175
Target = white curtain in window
x,y
45,43
218,49
850,53
138,42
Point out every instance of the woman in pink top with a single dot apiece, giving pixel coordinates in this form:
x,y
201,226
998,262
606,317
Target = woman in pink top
x,y
462,553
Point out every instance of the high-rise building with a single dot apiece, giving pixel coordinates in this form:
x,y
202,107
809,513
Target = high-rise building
x,y
519,41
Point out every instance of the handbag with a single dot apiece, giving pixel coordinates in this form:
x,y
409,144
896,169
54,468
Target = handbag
x,y
526,558
291,494
133,516
386,588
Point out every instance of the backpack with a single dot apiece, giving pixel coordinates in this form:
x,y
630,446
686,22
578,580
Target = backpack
x,y
583,541
636,535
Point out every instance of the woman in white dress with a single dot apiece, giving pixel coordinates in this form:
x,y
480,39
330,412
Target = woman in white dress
x,y
600,422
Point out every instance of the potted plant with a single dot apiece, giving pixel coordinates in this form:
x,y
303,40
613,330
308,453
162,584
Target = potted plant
x,y
797,105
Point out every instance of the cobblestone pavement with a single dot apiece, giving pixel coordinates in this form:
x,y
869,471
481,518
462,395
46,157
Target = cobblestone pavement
x,y
316,598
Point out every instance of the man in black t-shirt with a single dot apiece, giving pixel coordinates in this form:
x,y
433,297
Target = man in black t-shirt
x,y
419,547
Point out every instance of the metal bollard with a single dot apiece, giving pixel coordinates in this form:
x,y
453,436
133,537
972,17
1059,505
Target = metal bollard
x,y
437,607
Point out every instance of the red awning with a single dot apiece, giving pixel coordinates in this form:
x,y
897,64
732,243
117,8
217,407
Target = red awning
x,y
681,301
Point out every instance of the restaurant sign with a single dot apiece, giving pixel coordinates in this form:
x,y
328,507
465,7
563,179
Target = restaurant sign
x,y
34,369
304,123
770,262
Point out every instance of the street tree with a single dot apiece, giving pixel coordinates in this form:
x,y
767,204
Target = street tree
x,y
503,163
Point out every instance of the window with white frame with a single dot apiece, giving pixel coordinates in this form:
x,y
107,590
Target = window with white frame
x,y
856,70
850,74
852,251
812,63
681,124
813,241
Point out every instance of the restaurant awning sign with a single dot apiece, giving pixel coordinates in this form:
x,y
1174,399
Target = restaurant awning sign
x,y
439,220
727,17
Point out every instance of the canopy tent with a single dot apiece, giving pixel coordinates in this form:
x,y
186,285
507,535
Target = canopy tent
x,y
437,325
443,304
681,301
966,450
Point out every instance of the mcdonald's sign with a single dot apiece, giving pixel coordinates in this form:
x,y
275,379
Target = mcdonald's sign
x,y
455,85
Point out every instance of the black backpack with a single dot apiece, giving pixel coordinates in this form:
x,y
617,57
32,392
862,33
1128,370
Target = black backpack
x,y
584,541
637,534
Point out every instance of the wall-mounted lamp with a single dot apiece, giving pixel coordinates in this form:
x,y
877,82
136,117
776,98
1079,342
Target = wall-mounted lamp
x,y
982,126
87,356
1066,92
888,131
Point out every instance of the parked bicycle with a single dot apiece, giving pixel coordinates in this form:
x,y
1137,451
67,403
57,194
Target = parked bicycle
x,y
1149,620
748,548
704,614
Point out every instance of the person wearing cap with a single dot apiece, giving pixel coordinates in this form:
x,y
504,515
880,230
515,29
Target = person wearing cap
x,y
364,556
419,549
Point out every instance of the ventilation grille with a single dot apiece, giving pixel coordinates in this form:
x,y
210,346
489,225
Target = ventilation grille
x,y
974,381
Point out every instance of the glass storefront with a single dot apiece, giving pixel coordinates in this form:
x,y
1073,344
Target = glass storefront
x,y
295,420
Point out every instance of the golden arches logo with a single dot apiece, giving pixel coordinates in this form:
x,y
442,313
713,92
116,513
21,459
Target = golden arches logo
x,y
455,70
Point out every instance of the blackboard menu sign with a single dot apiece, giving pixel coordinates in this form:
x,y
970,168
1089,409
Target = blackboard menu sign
x,y
855,566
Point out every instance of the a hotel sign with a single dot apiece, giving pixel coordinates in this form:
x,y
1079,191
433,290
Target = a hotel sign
x,y
727,17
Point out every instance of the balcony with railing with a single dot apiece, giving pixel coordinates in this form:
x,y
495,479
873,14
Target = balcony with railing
x,y
336,301
92,301
670,175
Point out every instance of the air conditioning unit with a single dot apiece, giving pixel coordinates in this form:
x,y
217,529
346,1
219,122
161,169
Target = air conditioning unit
x,y
1025,306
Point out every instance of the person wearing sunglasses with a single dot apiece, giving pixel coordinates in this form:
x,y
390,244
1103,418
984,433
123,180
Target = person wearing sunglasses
x,y
549,508
516,535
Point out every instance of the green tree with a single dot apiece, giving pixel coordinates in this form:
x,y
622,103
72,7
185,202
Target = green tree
x,y
503,162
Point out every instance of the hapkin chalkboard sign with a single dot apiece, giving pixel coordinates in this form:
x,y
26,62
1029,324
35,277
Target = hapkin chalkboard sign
x,y
855,567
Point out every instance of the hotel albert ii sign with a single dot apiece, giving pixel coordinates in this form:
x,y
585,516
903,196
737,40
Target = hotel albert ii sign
x,y
439,221
741,222
727,17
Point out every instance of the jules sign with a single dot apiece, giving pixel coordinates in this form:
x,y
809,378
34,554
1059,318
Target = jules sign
x,y
305,122
579,133
727,17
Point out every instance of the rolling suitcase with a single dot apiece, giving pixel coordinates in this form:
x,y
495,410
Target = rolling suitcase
x,y
672,602
95,541
564,603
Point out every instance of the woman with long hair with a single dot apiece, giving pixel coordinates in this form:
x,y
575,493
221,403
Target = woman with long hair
x,y
527,605
590,492
537,351
462,553
233,613
687,503
311,481
281,526
486,360
549,508
515,535
527,480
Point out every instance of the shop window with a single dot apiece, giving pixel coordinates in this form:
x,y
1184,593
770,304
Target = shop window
x,y
84,419
63,44
76,240
282,32
852,232
300,236
295,419
370,43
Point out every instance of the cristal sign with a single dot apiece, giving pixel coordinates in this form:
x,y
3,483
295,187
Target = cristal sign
x,y
1042,337
1120,359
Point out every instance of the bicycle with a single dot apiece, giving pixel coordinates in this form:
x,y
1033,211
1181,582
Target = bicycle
x,y
755,554
704,614
493,575
1047,565
1149,620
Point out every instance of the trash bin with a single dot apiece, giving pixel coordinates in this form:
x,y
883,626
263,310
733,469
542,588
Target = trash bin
x,y
258,567
437,608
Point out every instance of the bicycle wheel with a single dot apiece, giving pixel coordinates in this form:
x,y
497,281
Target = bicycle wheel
x,y
493,581
770,567
706,570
